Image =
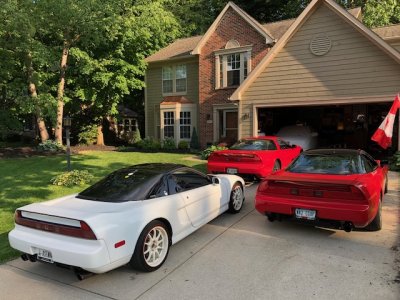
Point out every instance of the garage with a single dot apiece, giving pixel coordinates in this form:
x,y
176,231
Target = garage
x,y
336,126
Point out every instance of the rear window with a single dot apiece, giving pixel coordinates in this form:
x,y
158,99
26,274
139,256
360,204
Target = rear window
x,y
325,164
122,185
254,145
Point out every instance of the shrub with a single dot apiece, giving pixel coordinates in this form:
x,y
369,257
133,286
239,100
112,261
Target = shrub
x,y
74,177
207,152
132,137
88,135
149,143
169,144
183,145
50,146
194,141
395,162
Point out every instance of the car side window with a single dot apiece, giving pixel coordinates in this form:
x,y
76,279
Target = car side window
x,y
369,164
160,189
283,144
187,180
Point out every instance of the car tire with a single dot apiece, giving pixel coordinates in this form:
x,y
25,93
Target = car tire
x,y
152,247
376,223
277,166
236,198
386,184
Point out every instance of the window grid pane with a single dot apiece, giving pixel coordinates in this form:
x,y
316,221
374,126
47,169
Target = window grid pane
x,y
185,122
169,122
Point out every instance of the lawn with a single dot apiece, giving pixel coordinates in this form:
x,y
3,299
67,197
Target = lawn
x,y
26,180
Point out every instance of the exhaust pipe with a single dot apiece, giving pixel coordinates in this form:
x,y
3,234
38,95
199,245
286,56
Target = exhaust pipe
x,y
82,274
24,257
271,217
348,226
31,258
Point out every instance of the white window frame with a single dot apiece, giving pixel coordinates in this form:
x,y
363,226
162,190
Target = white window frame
x,y
174,79
221,64
189,124
177,108
171,123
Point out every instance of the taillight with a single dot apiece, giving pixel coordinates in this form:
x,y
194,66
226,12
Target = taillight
x,y
263,186
84,231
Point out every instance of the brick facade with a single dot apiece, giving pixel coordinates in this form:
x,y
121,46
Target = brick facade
x,y
231,26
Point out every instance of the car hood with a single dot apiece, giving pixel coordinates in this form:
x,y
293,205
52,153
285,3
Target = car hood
x,y
76,208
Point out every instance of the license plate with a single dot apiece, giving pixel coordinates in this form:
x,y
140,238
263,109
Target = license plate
x,y
231,171
305,214
44,255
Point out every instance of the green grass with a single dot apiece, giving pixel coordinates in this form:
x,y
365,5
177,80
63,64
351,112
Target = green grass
x,y
27,180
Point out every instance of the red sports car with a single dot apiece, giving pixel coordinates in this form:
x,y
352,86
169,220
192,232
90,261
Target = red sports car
x,y
336,187
257,156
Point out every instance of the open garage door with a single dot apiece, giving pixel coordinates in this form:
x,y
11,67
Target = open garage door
x,y
337,126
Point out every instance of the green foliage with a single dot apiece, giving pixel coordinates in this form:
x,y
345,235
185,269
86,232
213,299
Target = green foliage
x,y
88,135
8,124
395,162
50,146
132,138
207,152
381,13
169,144
183,145
194,141
71,178
149,143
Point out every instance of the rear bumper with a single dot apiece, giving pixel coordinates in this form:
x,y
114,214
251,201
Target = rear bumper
x,y
256,169
358,214
91,255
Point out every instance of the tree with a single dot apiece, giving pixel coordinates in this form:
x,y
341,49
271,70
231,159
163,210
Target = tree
x,y
20,71
381,13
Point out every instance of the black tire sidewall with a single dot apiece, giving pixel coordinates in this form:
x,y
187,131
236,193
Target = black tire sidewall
x,y
138,261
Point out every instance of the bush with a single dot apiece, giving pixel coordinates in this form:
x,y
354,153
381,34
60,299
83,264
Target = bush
x,y
395,162
50,146
132,137
149,143
183,145
194,141
207,152
88,135
74,177
169,144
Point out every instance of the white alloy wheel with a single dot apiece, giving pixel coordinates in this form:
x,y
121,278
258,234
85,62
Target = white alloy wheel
x,y
236,199
155,247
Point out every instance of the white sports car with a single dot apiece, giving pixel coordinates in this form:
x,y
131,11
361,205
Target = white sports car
x,y
131,216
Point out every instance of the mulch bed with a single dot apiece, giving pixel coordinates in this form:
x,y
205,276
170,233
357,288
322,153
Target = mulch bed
x,y
10,152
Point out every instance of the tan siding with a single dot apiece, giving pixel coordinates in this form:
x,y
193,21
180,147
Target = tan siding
x,y
154,90
353,67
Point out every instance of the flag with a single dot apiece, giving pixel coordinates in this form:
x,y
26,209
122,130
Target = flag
x,y
383,135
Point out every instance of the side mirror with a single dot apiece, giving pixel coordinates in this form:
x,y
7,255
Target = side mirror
x,y
383,162
215,180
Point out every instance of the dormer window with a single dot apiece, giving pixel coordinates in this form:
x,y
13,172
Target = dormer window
x,y
232,65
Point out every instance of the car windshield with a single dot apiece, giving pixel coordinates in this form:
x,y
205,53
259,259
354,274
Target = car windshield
x,y
254,145
123,185
325,164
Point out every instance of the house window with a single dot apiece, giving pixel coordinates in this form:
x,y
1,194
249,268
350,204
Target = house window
x,y
127,124
185,124
232,68
174,79
169,122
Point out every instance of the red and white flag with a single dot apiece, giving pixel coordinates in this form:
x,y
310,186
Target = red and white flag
x,y
383,135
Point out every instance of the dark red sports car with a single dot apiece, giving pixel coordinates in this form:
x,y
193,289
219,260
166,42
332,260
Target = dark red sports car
x,y
257,156
337,187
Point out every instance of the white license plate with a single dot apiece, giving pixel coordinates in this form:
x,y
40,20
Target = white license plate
x,y
305,214
231,171
44,255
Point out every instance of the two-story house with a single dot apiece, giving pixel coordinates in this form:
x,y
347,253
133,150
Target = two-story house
x,y
240,78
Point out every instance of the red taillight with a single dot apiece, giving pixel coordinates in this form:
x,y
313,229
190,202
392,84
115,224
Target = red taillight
x,y
232,157
263,186
84,231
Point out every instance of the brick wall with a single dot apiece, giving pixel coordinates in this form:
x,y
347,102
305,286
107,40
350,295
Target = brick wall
x,y
231,26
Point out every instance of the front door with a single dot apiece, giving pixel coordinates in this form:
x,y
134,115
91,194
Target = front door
x,y
230,126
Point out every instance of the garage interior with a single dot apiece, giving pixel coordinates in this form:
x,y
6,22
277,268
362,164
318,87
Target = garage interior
x,y
338,126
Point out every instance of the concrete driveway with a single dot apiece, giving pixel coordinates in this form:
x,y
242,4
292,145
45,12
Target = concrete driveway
x,y
241,256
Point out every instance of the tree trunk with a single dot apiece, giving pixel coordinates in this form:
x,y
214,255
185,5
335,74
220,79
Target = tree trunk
x,y
100,135
60,92
44,135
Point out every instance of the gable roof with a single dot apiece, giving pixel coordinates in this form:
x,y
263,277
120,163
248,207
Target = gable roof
x,y
388,33
183,48
252,22
294,27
